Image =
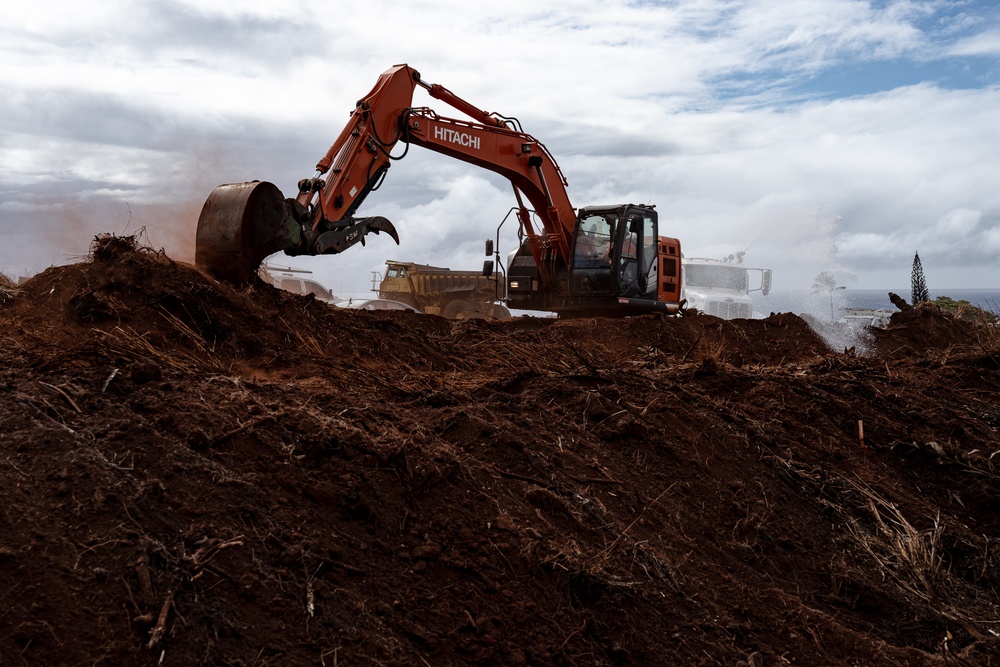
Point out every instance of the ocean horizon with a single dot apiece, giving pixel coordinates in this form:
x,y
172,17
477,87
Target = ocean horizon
x,y
807,301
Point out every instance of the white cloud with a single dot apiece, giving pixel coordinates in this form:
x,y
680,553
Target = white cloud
x,y
983,44
958,224
991,241
688,105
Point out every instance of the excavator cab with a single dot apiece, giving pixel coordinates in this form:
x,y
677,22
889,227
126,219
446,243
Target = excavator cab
x,y
615,253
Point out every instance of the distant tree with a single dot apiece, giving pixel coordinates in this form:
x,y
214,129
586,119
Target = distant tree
x,y
918,285
826,282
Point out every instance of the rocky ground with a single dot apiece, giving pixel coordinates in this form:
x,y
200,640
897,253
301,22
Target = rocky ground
x,y
191,474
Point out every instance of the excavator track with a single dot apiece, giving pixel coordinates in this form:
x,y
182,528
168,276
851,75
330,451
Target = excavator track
x,y
240,225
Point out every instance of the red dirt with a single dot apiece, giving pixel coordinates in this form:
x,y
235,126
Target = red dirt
x,y
192,475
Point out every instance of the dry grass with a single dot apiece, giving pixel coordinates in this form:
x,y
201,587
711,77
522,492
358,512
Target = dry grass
x,y
7,294
914,560
909,555
973,462
108,247
8,288
131,344
988,339
711,356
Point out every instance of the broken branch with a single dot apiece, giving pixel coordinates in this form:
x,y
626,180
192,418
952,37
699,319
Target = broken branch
x,y
161,623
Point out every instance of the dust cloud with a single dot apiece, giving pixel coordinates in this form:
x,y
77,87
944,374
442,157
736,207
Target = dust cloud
x,y
801,248
160,201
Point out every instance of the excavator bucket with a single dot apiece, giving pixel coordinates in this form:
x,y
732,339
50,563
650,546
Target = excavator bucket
x,y
240,225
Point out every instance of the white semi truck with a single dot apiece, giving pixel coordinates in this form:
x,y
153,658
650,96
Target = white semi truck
x,y
722,287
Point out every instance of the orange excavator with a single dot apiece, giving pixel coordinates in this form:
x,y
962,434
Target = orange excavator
x,y
596,260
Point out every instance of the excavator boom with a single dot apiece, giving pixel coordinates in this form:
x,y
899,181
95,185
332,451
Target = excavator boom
x,y
243,223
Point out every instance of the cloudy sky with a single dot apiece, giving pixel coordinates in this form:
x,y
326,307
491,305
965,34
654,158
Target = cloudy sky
x,y
838,135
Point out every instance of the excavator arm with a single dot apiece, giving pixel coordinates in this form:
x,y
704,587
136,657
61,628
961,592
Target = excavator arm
x,y
243,223
522,160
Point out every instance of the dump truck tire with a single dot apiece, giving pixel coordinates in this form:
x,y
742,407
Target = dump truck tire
x,y
458,310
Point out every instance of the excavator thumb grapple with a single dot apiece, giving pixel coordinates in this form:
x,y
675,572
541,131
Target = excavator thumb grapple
x,y
240,225
348,232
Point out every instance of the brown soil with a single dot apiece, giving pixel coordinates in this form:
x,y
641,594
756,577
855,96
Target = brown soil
x,y
193,475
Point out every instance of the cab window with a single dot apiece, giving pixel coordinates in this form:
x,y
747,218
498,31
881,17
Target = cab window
x,y
593,242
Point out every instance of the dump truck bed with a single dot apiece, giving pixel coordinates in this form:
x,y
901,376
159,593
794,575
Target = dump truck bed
x,y
442,291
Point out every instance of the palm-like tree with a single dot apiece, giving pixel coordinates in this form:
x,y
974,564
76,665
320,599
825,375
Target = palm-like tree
x,y
827,282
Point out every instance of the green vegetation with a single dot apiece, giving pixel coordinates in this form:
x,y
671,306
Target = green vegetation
x,y
965,310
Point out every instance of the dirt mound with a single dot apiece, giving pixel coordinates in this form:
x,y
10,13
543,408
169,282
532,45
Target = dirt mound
x,y
193,474
927,330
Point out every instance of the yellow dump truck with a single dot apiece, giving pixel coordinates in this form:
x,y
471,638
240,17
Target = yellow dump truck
x,y
457,295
